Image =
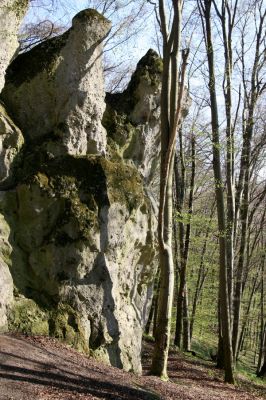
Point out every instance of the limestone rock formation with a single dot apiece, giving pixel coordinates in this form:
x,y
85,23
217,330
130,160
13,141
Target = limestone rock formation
x,y
11,141
132,118
64,78
81,221
11,14
6,287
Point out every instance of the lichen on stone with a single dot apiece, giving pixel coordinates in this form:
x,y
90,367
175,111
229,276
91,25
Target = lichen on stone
x,y
18,7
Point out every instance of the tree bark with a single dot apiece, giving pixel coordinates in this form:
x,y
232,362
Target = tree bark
x,y
171,104
205,8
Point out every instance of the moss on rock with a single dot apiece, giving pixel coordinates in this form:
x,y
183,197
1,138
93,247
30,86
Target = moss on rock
x,y
27,317
64,324
42,57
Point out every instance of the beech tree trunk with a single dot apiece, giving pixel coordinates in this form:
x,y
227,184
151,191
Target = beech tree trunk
x,y
171,104
205,9
242,203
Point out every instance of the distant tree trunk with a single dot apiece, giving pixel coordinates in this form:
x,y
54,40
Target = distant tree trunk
x,y
261,367
182,310
180,179
186,322
201,275
240,266
205,9
153,310
245,319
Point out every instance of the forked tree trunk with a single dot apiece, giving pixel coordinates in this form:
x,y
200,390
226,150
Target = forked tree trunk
x,y
171,103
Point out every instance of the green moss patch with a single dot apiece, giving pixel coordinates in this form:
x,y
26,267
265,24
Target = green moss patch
x,y
62,322
42,57
27,317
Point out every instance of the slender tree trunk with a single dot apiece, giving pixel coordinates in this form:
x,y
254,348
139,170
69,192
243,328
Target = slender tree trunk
x,y
180,179
223,278
171,112
261,367
245,319
241,263
201,276
153,310
186,322
227,18
182,310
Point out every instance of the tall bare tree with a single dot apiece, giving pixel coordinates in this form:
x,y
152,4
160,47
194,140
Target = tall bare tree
x,y
171,113
205,11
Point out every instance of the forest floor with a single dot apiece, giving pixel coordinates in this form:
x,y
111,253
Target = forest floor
x,y
40,368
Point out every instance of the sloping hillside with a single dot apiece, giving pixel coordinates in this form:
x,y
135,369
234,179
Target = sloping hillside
x,y
41,368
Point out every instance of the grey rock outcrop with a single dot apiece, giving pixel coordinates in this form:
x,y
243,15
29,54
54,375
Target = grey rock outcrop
x,y
11,14
6,287
64,78
81,218
132,119
11,141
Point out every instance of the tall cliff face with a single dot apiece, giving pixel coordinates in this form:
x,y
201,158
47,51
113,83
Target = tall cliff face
x,y
11,141
78,205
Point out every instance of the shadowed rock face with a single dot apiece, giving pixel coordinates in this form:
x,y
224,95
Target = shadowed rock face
x,y
80,218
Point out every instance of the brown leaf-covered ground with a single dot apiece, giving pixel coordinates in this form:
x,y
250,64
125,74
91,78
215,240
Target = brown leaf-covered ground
x,y
38,368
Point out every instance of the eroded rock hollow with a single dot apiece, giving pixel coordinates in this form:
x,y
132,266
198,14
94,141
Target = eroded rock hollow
x,y
79,195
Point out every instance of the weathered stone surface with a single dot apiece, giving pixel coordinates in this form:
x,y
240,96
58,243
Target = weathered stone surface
x,y
57,88
6,286
132,118
85,232
11,141
82,226
11,14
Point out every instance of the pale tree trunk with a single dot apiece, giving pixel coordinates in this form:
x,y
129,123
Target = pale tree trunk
x,y
171,104
242,204
205,9
227,17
